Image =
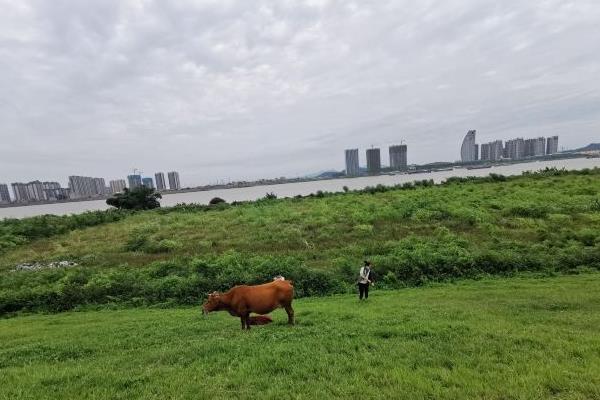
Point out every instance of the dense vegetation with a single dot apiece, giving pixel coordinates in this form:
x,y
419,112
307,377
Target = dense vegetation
x,y
544,223
139,198
492,339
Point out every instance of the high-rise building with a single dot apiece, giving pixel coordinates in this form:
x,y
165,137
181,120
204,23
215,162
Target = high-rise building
x,y
20,192
35,191
99,186
539,146
53,191
85,186
147,182
485,152
398,157
118,185
552,145
528,147
159,178
174,183
4,193
496,150
373,161
352,166
515,149
492,151
469,149
134,181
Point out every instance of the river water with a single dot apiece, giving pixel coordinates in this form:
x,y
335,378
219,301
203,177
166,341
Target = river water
x,y
302,188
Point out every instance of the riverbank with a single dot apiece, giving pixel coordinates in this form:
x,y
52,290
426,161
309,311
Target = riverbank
x,y
302,188
415,234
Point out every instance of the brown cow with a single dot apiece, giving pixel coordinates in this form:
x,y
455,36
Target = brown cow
x,y
242,300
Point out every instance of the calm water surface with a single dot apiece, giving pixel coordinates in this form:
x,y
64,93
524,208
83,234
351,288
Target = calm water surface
x,y
302,188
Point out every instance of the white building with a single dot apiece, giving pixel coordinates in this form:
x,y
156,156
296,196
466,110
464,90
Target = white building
x,y
117,186
469,149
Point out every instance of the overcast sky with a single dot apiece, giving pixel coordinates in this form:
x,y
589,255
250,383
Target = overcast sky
x,y
220,89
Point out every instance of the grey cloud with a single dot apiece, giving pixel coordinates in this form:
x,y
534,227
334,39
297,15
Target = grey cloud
x,y
241,90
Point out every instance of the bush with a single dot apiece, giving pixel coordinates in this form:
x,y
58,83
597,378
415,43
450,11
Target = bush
x,y
139,198
216,200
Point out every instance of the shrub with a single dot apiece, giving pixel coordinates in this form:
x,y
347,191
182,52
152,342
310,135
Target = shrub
x,y
139,198
216,200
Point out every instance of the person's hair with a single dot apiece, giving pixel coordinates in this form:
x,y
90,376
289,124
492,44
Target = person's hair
x,y
367,263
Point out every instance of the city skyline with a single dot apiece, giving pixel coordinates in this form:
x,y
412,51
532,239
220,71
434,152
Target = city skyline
x,y
78,187
283,87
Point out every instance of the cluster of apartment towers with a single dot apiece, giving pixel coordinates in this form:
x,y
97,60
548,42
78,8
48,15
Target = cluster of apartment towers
x,y
83,187
398,160
514,149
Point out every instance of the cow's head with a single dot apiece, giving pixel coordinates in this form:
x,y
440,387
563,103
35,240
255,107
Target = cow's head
x,y
212,303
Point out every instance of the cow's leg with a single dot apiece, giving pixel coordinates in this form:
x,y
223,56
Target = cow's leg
x,y
243,319
290,312
246,317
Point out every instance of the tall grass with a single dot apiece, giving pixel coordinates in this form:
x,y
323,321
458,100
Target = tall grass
x,y
545,223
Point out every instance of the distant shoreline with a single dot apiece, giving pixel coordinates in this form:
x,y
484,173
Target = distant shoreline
x,y
425,168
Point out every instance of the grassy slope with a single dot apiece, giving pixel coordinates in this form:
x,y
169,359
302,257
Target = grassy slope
x,y
336,230
494,339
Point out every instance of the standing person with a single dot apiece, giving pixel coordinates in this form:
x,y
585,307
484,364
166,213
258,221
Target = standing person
x,y
364,280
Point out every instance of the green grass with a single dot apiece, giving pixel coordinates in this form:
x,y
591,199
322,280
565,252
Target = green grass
x,y
328,231
545,223
489,339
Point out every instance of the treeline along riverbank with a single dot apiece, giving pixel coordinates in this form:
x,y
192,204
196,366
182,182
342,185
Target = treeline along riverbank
x,y
415,233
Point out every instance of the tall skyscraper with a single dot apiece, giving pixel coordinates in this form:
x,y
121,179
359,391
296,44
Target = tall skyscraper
x,y
4,193
539,146
35,191
485,152
159,178
86,186
352,166
552,145
148,183
99,186
373,161
174,183
20,192
398,157
53,191
118,185
515,149
496,150
469,149
492,151
134,181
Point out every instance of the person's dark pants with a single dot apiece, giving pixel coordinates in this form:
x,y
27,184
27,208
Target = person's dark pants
x,y
363,289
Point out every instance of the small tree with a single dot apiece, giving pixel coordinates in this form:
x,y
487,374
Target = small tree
x,y
139,198
216,200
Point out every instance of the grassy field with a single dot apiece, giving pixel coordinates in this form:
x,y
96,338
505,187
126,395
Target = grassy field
x,y
545,223
327,231
491,339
